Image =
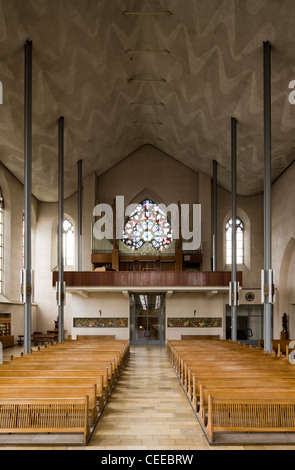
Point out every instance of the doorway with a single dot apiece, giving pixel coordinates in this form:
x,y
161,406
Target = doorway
x,y
148,319
249,324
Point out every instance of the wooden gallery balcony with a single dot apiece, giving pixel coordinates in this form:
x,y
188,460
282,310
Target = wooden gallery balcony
x,y
152,280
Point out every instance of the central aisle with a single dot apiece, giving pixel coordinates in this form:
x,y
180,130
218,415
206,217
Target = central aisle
x,y
148,408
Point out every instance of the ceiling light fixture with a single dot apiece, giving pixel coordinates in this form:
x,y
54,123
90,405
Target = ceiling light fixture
x,y
147,51
148,123
148,138
148,104
148,13
148,80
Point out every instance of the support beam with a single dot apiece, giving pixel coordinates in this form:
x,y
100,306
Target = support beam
x,y
60,286
214,216
234,288
80,192
27,272
267,287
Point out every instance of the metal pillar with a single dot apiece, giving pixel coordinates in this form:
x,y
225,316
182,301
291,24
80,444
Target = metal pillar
x,y
214,215
80,190
234,285
27,271
60,284
267,278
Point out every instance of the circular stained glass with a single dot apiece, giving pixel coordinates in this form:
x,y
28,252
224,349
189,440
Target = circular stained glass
x,y
148,224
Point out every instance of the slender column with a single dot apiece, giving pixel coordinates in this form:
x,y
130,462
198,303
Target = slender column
x,y
60,286
234,284
80,190
214,215
27,272
267,287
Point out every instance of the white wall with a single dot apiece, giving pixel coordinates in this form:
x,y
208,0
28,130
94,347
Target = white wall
x,y
184,304
12,191
250,210
47,250
179,305
149,172
111,305
283,247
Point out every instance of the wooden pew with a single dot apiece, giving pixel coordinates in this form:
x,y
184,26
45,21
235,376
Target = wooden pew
x,y
71,373
236,414
229,381
43,416
60,368
200,337
241,391
58,382
251,377
66,363
96,337
23,392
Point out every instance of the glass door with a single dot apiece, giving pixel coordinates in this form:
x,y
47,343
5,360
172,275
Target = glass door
x,y
249,323
147,319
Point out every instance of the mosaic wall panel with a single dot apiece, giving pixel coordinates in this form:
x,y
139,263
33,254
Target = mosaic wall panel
x,y
100,322
194,322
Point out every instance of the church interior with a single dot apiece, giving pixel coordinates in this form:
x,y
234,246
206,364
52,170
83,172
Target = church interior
x,y
147,221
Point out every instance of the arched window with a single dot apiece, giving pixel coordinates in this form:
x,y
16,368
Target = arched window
x,y
23,240
1,241
68,243
148,224
240,241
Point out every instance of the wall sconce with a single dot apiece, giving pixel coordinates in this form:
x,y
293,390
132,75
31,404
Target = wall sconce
x,y
100,313
195,311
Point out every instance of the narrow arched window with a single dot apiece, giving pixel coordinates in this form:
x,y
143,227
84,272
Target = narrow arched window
x,y
240,241
2,206
68,243
23,240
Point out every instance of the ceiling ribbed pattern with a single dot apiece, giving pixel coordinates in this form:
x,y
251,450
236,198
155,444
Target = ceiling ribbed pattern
x,y
129,73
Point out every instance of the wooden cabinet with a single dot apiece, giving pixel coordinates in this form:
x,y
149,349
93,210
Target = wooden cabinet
x,y
7,341
6,338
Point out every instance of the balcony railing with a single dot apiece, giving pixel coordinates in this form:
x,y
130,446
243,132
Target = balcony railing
x,y
147,279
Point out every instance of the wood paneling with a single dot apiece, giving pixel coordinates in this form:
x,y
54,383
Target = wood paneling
x,y
147,279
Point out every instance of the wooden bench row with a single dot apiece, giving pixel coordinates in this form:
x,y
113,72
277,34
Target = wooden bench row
x,y
279,347
235,388
60,389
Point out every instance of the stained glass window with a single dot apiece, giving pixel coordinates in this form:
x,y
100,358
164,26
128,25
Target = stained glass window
x,y
148,224
240,241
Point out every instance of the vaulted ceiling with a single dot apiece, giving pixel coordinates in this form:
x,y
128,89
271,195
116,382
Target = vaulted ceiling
x,y
125,73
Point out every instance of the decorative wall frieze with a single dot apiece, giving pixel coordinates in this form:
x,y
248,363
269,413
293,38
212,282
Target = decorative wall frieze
x,y
194,322
100,322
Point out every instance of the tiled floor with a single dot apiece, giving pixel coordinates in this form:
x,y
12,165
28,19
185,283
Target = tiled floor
x,y
149,410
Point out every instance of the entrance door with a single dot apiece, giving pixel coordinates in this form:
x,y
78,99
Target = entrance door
x,y
147,319
249,323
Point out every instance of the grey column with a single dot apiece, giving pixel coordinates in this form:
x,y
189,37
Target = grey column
x,y
60,287
215,215
27,272
234,286
80,190
267,277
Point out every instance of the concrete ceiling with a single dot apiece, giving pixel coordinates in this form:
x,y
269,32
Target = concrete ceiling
x,y
125,80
